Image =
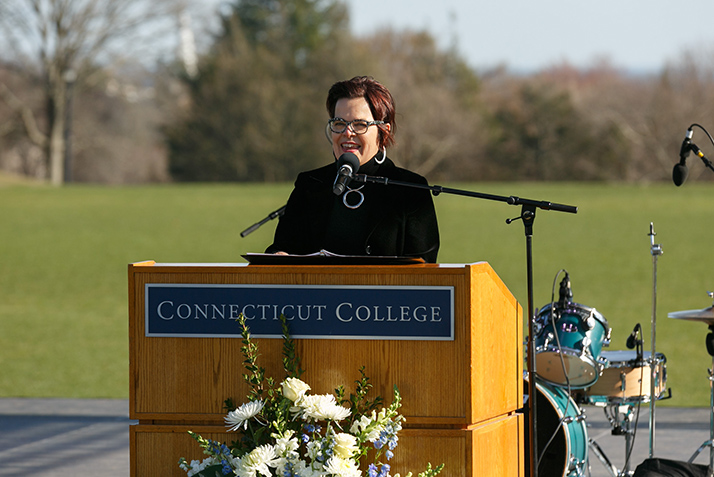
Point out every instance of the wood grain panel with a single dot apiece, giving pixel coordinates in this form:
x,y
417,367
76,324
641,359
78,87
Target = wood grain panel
x,y
491,449
458,383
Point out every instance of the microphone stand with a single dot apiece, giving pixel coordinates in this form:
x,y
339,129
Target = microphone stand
x,y
528,213
271,216
656,251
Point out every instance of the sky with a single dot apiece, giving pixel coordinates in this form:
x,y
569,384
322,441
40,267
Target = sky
x,y
528,35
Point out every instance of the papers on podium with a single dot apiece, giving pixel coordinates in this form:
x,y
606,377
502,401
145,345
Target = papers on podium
x,y
324,257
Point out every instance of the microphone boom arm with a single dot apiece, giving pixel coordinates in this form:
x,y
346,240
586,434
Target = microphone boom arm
x,y
273,215
437,189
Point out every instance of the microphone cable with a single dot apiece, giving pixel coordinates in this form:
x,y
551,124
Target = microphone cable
x,y
562,364
639,351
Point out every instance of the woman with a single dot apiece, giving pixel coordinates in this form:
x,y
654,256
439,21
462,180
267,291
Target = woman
x,y
368,218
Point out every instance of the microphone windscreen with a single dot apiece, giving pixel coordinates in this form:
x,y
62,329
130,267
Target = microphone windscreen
x,y
631,341
348,158
679,174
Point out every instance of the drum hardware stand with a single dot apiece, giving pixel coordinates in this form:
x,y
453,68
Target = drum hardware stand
x,y
620,427
656,251
597,450
625,429
710,442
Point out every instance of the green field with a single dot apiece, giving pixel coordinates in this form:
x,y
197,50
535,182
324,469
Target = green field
x,y
64,255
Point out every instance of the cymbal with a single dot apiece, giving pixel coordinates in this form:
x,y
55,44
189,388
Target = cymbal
x,y
705,316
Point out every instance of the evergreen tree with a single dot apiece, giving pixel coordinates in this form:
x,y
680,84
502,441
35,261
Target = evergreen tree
x,y
257,107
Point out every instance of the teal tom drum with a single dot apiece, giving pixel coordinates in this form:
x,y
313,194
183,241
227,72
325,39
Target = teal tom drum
x,y
569,341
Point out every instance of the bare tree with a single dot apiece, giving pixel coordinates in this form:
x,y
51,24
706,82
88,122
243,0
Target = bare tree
x,y
64,42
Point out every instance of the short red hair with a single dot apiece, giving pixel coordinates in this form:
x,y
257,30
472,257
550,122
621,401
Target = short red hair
x,y
378,97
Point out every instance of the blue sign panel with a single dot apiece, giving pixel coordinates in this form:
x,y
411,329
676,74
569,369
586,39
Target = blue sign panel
x,y
317,311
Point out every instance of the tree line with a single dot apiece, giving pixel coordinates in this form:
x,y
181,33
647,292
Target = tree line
x,y
252,108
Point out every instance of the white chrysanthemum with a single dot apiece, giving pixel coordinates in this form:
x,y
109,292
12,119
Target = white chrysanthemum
x,y
294,389
322,407
345,445
259,460
240,417
342,467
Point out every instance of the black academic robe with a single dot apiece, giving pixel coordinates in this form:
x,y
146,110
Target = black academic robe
x,y
393,220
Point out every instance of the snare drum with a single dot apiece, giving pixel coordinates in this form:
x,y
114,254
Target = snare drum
x,y
558,415
626,379
568,344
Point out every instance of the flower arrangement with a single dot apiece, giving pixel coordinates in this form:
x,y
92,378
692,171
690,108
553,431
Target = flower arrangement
x,y
288,432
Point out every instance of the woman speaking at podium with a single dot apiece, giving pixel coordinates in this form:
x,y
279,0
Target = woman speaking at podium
x,y
359,218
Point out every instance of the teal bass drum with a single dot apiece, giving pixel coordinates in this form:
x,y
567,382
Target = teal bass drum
x,y
562,436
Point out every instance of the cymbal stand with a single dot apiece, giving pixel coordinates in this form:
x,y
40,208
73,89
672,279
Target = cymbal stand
x,y
710,442
656,250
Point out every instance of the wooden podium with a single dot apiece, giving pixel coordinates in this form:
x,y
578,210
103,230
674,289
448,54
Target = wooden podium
x,y
461,396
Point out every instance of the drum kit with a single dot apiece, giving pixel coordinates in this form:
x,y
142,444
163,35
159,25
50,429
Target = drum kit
x,y
574,371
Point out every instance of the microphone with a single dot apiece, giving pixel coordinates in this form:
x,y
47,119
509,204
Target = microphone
x,y
566,293
680,171
632,340
347,164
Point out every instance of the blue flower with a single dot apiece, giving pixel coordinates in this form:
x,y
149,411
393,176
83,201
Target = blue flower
x,y
227,469
288,472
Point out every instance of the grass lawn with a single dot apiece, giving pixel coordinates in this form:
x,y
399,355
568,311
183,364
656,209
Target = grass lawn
x,y
64,255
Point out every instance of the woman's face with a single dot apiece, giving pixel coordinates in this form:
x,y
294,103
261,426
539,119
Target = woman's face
x,y
364,146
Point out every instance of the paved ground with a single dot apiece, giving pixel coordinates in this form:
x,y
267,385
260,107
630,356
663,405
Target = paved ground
x,y
678,434
61,437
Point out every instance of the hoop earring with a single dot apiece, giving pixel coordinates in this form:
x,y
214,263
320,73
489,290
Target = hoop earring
x,y
327,133
384,155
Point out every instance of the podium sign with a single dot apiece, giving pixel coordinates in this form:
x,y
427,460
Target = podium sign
x,y
317,311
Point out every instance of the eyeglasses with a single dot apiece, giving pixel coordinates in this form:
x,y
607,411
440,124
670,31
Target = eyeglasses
x,y
358,126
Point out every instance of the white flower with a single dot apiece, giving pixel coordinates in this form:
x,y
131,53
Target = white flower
x,y
363,423
197,466
259,460
314,449
287,444
298,468
294,389
322,407
342,467
240,417
345,445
